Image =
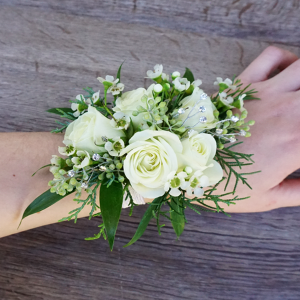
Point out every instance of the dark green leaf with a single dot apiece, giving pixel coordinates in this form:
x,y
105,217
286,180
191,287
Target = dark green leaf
x,y
59,111
148,215
130,130
49,165
119,71
177,216
42,202
222,87
111,199
188,75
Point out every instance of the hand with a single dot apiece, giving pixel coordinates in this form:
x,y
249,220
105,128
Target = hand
x,y
275,140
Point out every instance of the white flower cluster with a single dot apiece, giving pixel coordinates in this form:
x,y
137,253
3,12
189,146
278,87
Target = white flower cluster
x,y
155,143
154,160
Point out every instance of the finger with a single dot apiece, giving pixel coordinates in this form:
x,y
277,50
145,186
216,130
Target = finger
x,y
288,80
271,59
287,193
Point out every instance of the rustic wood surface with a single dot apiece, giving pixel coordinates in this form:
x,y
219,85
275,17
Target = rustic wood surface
x,y
49,50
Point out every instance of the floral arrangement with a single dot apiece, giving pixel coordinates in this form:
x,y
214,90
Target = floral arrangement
x,y
166,144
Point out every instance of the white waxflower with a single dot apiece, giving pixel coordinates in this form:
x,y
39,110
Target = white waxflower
x,y
108,80
55,160
165,77
181,84
157,88
196,83
82,159
80,108
120,121
175,74
174,182
116,89
156,73
227,81
68,150
226,100
240,104
196,184
96,96
114,148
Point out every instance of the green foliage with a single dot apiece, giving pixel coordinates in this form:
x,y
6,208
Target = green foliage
x,y
130,130
148,215
177,215
119,71
49,165
229,160
90,200
111,199
98,235
64,112
42,202
188,75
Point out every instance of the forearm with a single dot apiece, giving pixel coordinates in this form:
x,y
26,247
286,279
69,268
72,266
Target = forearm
x,y
22,154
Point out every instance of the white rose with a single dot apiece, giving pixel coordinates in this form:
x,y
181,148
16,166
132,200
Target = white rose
x,y
151,157
208,111
87,131
199,150
129,101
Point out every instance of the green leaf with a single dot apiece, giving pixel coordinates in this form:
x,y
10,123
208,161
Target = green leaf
x,y
119,71
148,215
49,165
222,87
42,202
60,111
130,130
177,216
188,75
111,199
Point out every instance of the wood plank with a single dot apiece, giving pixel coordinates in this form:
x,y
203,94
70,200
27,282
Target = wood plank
x,y
46,66
271,20
48,52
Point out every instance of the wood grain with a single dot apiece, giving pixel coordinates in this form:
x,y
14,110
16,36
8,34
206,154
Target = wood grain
x,y
49,50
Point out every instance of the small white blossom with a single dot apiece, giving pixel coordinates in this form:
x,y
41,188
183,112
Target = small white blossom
x,y
115,148
165,77
116,89
55,160
82,159
226,100
157,88
196,184
175,74
181,84
227,81
96,96
174,182
120,121
197,83
109,79
76,106
156,73
241,99
68,150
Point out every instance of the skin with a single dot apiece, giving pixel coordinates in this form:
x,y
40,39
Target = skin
x,y
275,143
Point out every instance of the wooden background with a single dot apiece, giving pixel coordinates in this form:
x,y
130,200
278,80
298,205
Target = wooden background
x,y
49,50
